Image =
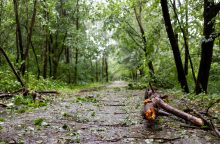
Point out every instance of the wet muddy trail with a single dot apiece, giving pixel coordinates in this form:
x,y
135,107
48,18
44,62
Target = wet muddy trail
x,y
111,114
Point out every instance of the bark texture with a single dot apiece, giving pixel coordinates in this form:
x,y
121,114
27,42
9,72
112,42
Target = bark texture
x,y
174,45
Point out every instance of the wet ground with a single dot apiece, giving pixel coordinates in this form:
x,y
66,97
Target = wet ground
x,y
111,114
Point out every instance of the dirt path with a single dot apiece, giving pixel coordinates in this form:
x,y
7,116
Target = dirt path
x,y
108,115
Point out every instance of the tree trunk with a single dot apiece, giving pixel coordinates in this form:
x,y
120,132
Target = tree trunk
x,y
103,68
55,68
67,55
138,19
96,71
29,37
36,59
77,50
210,12
106,69
174,45
17,47
187,41
151,68
57,55
50,54
19,33
46,51
45,56
76,67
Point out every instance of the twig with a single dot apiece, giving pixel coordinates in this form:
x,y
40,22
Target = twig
x,y
189,126
151,87
113,125
141,137
3,105
48,92
6,95
211,105
209,123
114,104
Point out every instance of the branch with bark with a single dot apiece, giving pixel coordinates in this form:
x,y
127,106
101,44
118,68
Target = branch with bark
x,y
25,92
154,103
12,67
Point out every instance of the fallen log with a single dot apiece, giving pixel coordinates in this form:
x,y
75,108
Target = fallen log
x,y
195,120
6,95
154,102
26,92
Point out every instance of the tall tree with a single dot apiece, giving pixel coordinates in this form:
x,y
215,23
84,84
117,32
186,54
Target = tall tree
x,y
210,11
77,49
138,17
174,44
46,46
19,39
24,52
185,34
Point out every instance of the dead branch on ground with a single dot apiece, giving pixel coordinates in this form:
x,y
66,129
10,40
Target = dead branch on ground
x,y
154,103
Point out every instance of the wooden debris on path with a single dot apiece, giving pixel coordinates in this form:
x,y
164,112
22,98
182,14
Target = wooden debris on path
x,y
154,103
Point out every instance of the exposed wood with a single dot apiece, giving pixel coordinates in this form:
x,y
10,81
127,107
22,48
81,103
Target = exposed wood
x,y
155,102
160,103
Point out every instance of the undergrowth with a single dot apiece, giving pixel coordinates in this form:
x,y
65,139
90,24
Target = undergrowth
x,y
9,83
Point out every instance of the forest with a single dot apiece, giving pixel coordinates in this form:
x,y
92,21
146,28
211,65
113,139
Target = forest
x,y
109,71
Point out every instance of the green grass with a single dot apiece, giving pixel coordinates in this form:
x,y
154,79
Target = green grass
x,y
2,119
38,121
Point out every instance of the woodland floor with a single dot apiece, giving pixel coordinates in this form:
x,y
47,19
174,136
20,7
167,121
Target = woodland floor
x,y
110,114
